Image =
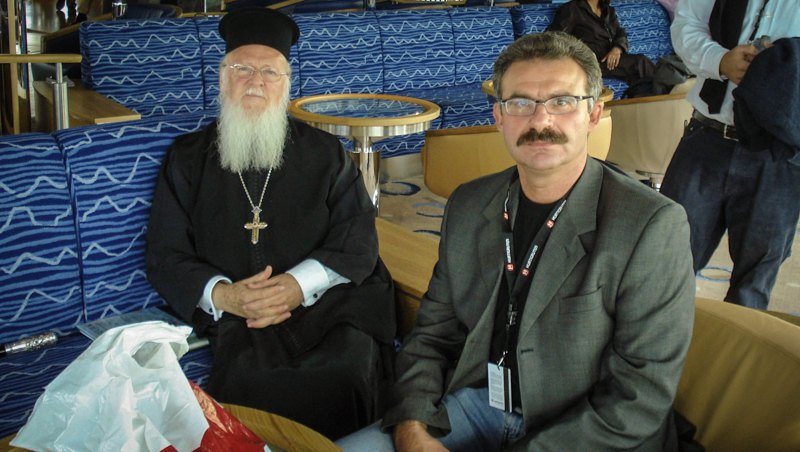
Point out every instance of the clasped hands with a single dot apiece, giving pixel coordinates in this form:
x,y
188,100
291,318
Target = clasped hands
x,y
262,300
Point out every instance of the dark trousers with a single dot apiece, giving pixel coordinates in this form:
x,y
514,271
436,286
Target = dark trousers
x,y
722,185
631,68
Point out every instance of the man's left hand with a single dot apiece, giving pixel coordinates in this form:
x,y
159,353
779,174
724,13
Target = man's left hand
x,y
612,58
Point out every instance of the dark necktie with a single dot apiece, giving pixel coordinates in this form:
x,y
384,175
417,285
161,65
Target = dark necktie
x,y
725,25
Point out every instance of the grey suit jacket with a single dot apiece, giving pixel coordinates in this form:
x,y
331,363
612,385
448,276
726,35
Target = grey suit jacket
x,y
606,325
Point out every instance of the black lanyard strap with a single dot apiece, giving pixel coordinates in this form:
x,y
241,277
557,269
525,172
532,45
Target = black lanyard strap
x,y
517,280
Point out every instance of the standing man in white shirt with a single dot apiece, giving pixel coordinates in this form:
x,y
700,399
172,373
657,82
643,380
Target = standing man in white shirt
x,y
723,183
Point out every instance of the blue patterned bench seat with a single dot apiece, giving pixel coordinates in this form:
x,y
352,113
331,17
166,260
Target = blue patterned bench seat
x,y
73,216
168,67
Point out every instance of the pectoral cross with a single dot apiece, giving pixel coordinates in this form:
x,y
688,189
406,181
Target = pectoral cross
x,y
255,226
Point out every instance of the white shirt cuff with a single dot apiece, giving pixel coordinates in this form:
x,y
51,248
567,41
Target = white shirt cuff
x,y
206,303
315,279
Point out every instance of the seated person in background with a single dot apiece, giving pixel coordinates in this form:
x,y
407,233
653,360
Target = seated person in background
x,y
595,23
560,311
262,235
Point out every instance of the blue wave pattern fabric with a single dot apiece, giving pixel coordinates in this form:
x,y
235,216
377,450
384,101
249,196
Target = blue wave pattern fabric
x,y
647,25
480,35
151,66
112,171
23,377
532,17
212,50
339,53
418,54
39,272
417,49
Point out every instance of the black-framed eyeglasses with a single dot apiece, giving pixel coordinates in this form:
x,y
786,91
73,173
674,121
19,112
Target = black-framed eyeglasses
x,y
558,105
245,72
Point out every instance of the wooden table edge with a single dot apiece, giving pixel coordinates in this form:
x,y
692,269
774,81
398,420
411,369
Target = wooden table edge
x,y
431,111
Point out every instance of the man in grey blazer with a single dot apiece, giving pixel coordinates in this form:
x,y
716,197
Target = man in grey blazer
x,y
559,314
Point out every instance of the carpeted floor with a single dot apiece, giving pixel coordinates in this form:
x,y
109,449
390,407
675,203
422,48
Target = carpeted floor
x,y
408,203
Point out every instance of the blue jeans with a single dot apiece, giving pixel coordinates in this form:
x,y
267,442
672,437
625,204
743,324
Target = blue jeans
x,y
723,185
475,426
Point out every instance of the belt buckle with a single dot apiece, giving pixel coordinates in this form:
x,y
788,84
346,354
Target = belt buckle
x,y
725,129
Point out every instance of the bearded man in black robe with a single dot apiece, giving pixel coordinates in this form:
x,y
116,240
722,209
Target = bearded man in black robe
x,y
262,235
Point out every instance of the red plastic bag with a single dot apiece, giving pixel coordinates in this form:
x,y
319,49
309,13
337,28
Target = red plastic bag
x,y
225,432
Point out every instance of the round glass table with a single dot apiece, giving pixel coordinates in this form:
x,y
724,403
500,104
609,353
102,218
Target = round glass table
x,y
365,119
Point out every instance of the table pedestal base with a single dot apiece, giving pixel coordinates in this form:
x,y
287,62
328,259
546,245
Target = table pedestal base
x,y
369,163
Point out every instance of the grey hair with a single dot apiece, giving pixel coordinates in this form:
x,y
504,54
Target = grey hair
x,y
550,45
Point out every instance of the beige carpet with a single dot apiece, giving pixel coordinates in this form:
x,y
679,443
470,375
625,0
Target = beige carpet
x,y
408,203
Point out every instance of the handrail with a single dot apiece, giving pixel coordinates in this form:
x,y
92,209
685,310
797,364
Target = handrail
x,y
284,4
57,58
60,98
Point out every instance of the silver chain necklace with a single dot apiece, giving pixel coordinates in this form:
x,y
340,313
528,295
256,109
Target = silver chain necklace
x,y
256,225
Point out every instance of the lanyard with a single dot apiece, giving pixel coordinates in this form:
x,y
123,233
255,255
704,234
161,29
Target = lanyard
x,y
758,21
516,280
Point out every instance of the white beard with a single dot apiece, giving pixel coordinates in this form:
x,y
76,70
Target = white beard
x,y
252,141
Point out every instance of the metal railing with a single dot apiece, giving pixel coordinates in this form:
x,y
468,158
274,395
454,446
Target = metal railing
x,y
60,97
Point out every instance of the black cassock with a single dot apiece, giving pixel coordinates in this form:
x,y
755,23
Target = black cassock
x,y
326,366
601,34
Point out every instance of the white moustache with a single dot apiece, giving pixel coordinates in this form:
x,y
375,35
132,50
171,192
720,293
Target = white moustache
x,y
254,92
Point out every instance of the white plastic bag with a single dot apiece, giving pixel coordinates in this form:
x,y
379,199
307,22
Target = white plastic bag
x,y
125,392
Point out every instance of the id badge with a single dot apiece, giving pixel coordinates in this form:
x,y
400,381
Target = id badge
x,y
499,387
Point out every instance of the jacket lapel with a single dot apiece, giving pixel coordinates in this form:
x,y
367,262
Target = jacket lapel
x,y
564,248
491,239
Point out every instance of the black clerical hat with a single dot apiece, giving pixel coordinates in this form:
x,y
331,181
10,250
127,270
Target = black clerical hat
x,y
258,26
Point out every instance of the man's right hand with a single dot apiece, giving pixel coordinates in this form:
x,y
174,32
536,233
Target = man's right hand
x,y
413,436
251,299
735,62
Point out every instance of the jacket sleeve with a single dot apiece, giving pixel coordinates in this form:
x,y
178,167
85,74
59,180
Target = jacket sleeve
x,y
173,267
564,19
620,36
640,372
430,353
350,246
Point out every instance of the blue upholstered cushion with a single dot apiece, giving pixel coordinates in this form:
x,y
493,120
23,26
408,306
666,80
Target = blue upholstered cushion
x,y
418,49
212,49
647,25
532,17
400,145
39,273
151,66
339,53
23,376
480,34
113,172
461,105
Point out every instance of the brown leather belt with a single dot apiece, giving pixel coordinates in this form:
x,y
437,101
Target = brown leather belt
x,y
728,132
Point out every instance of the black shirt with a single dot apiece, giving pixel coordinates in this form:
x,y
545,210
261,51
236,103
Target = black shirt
x,y
529,219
